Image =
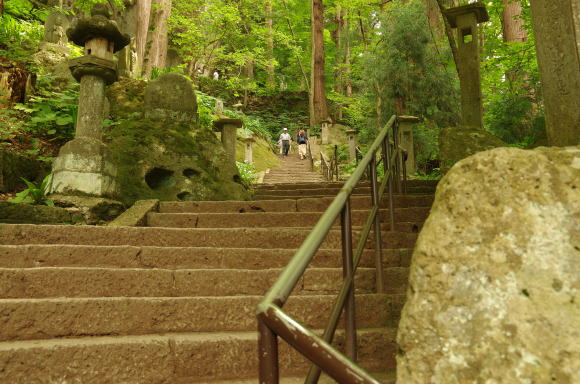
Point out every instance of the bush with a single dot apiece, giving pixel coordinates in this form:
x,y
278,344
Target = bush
x,y
247,173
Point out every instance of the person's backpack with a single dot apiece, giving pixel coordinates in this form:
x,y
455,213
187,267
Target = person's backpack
x,y
301,139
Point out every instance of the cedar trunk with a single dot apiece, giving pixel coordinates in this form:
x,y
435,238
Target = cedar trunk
x,y
270,76
318,107
513,23
155,53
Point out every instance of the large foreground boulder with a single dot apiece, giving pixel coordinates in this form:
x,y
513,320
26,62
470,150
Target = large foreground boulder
x,y
495,277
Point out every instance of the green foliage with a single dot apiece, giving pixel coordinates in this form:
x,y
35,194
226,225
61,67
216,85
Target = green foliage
x,y
50,113
19,37
510,81
205,107
247,173
34,194
406,73
425,137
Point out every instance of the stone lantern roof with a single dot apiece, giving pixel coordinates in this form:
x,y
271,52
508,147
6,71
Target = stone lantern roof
x,y
477,8
98,25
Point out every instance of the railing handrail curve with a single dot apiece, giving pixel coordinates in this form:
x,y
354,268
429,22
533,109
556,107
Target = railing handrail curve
x,y
304,254
274,322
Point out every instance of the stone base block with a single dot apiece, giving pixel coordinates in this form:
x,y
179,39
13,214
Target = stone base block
x,y
83,167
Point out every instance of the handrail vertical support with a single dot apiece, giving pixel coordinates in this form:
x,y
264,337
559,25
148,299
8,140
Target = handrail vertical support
x,y
268,352
378,240
387,167
348,272
397,157
336,161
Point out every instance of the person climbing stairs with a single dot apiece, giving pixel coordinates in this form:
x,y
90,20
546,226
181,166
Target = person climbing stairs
x,y
174,302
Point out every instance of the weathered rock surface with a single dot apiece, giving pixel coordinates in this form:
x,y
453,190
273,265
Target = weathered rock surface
x,y
456,143
170,158
495,276
37,214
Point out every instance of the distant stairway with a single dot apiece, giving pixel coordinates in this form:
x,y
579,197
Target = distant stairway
x,y
293,170
175,302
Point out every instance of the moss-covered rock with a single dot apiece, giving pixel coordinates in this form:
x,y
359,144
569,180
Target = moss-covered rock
x,y
457,143
164,159
37,214
13,167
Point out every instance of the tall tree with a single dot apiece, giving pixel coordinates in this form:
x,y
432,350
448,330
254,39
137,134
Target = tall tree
x,y
155,53
318,106
270,75
513,23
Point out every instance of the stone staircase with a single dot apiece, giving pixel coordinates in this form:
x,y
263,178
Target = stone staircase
x,y
174,302
293,170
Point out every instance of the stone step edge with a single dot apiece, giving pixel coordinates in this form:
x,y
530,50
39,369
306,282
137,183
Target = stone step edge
x,y
6,346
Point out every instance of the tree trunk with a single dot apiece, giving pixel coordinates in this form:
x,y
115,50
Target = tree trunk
x,y
433,15
337,38
319,110
449,32
347,79
143,14
1,7
512,22
157,39
270,76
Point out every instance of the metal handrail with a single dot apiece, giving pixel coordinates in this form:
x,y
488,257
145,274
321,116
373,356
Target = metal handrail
x,y
273,322
309,149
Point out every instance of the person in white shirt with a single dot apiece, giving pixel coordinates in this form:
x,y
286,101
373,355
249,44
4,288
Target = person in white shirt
x,y
285,139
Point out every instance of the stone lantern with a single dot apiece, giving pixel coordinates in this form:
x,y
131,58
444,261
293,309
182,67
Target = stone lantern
x,y
406,141
351,134
249,152
229,128
325,130
465,20
83,165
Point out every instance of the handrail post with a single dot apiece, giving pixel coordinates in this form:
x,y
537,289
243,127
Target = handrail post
x,y
387,166
348,272
398,152
404,166
378,240
336,160
268,352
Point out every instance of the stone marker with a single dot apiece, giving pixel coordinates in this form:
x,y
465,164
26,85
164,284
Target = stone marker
x,y
406,141
229,128
494,289
83,165
171,97
351,134
219,107
249,153
557,29
325,131
465,20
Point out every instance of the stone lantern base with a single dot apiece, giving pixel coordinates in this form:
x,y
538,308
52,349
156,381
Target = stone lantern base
x,y
83,167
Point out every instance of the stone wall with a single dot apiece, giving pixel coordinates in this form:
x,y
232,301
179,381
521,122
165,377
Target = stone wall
x,y
495,276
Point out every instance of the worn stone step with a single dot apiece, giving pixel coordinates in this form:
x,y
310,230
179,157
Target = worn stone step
x,y
168,358
132,282
382,377
14,234
307,192
28,319
330,193
288,205
34,256
278,219
337,185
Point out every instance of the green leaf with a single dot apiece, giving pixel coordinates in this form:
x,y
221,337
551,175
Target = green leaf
x,y
64,120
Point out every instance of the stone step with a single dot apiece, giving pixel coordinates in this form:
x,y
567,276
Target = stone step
x,y
406,219
49,282
338,185
330,193
34,256
29,319
288,205
382,377
14,234
307,192
168,358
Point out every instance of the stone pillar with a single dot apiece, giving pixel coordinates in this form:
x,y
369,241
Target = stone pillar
x,y
351,134
324,133
406,141
219,107
83,165
465,20
249,153
229,128
557,29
